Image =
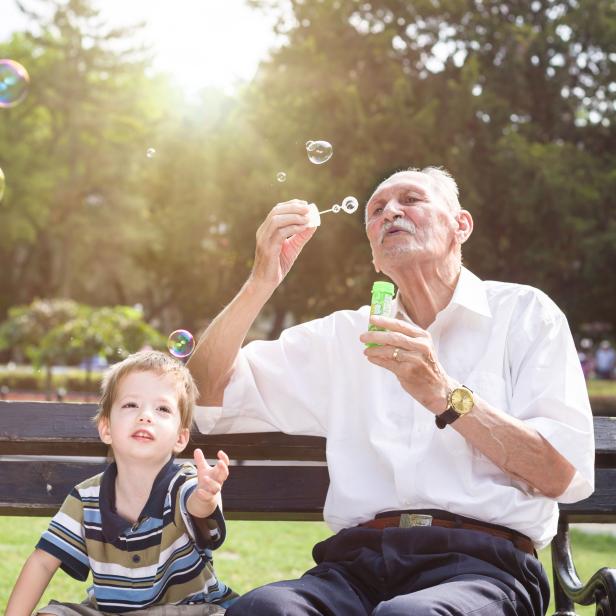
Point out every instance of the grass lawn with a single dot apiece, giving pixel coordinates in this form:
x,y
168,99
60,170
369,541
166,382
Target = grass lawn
x,y
254,553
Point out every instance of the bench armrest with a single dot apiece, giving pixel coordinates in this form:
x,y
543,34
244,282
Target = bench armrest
x,y
569,589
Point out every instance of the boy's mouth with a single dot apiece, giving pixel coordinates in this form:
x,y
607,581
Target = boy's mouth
x,y
143,435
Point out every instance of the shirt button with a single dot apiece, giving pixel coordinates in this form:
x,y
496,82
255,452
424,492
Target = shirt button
x,y
136,558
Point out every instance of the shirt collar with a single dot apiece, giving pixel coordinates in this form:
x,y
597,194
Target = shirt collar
x,y
114,524
469,294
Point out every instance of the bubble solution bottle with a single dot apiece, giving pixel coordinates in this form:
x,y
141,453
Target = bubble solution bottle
x,y
382,294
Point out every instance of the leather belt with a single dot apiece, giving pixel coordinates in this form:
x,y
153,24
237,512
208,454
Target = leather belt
x,y
417,519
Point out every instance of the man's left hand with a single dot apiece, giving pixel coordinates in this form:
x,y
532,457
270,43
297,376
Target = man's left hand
x,y
408,352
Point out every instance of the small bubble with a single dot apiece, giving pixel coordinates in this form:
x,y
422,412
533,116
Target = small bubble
x,y
319,152
14,82
335,208
281,176
350,205
181,343
2,184
150,152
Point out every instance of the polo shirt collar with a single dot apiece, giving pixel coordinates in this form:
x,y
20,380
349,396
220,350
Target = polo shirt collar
x,y
469,294
113,524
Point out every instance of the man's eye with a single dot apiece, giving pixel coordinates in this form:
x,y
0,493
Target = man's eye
x,y
410,199
377,210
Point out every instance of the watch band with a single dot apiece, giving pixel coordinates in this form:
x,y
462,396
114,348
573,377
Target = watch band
x,y
446,417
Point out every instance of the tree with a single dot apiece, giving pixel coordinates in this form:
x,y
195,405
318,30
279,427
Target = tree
x,y
76,145
59,332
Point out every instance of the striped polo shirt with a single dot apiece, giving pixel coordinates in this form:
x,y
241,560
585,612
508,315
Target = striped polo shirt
x,y
164,558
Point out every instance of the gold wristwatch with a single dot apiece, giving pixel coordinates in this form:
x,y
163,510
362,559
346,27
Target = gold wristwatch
x,y
459,402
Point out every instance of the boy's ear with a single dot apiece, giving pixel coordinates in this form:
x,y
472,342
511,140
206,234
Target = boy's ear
x,y
183,438
104,430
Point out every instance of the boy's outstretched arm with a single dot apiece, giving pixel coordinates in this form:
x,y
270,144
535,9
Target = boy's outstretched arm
x,y
206,497
31,583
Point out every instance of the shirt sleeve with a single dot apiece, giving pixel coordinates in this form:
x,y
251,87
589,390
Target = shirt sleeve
x,y
282,385
206,533
64,538
550,394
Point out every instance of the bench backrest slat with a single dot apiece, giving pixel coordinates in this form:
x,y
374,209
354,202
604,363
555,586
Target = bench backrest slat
x,y
258,490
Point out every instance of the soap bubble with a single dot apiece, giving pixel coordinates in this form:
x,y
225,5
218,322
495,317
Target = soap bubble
x,y
181,343
335,208
1,184
150,152
14,82
350,205
281,176
319,152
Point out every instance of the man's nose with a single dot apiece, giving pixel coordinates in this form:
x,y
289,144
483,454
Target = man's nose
x,y
392,209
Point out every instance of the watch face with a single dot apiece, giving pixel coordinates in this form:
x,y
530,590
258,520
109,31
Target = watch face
x,y
462,400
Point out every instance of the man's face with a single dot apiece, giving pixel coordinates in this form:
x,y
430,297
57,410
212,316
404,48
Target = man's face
x,y
406,216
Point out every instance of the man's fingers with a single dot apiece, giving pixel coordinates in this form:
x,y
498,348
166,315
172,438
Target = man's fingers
x,y
397,325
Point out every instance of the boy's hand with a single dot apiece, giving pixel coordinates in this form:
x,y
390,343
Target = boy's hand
x,y
203,500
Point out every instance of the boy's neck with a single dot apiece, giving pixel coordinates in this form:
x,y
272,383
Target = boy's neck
x,y
133,486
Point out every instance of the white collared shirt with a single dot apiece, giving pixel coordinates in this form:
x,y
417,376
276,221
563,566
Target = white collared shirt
x,y
509,343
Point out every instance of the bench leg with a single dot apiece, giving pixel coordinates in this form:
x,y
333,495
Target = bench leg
x,y
563,604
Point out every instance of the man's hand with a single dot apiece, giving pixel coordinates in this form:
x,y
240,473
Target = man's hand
x,y
206,496
408,351
280,239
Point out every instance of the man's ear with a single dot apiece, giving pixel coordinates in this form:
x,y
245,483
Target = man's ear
x,y
104,430
183,438
465,225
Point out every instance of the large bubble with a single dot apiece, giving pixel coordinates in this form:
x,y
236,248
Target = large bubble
x,y
319,152
350,205
181,343
14,82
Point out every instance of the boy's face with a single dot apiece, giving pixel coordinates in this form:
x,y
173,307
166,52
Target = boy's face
x,y
145,419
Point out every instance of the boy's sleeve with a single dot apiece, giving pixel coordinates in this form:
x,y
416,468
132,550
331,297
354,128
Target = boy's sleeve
x,y
64,538
207,533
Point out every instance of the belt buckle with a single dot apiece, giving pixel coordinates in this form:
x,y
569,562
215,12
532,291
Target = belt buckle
x,y
409,520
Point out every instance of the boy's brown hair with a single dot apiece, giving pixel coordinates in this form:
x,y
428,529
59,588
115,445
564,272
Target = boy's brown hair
x,y
150,361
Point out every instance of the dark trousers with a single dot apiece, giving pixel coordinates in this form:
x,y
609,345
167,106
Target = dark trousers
x,y
408,571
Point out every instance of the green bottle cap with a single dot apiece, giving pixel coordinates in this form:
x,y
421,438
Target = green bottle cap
x,y
383,286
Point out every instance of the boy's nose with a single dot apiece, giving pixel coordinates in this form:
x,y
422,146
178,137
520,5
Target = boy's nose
x,y
145,416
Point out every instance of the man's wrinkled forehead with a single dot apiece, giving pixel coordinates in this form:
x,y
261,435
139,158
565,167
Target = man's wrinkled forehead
x,y
402,179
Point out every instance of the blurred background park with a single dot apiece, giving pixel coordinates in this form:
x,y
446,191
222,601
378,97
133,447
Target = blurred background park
x,y
147,149
155,136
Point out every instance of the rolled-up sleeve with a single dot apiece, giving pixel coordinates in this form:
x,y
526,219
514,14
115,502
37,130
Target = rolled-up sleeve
x,y
550,395
281,385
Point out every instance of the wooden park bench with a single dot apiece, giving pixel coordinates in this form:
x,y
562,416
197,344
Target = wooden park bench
x,y
46,448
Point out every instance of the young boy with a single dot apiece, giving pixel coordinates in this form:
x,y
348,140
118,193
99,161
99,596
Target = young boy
x,y
145,527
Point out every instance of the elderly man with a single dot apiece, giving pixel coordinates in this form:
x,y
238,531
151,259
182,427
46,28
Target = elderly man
x,y
449,443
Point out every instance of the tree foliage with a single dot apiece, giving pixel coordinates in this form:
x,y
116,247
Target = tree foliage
x,y
515,99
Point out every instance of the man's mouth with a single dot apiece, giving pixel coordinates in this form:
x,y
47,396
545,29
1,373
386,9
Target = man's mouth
x,y
397,229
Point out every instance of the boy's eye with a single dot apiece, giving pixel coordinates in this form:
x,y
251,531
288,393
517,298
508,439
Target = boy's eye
x,y
164,409
130,405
